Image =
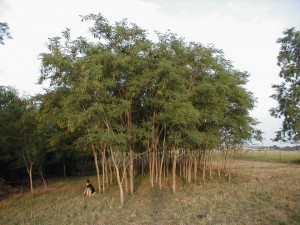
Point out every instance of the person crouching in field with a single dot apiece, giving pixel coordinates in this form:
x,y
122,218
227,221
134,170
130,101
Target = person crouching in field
x,y
89,190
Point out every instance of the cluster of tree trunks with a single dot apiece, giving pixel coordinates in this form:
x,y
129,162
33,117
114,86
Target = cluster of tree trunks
x,y
160,166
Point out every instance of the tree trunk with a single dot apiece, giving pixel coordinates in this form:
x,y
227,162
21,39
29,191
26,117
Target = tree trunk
x,y
103,170
225,160
151,168
143,167
190,171
219,166
180,170
195,168
40,170
174,170
165,168
29,170
168,166
186,168
110,173
131,175
124,176
161,168
130,144
210,164
118,177
156,164
97,167
106,171
204,165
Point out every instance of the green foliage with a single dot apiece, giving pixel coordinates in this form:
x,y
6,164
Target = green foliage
x,y
11,111
21,137
126,85
29,134
288,92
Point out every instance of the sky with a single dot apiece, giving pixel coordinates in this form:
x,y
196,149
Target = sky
x,y
246,31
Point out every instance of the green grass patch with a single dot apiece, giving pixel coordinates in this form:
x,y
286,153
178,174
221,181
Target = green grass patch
x,y
258,193
270,156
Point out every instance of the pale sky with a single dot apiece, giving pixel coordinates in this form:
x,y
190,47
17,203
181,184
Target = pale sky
x,y
246,30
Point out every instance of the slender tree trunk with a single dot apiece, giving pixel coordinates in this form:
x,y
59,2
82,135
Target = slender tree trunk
x,y
103,170
156,164
165,168
40,170
230,161
143,167
97,167
106,171
29,170
151,168
124,177
186,166
180,170
118,177
210,165
110,173
225,159
195,168
161,168
190,171
29,165
130,144
168,166
131,175
219,166
204,165
174,170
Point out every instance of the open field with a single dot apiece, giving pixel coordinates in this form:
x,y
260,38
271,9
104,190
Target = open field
x,y
270,156
258,193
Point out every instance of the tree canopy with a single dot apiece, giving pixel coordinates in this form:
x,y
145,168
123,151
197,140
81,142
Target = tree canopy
x,y
288,92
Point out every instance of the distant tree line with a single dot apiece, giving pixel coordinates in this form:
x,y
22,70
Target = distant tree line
x,y
275,147
291,148
287,148
123,106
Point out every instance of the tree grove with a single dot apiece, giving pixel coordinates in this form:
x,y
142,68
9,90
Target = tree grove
x,y
141,109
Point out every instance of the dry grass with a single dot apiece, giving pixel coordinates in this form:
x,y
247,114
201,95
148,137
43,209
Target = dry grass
x,y
258,193
271,156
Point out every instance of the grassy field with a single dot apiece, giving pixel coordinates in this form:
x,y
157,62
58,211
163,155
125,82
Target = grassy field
x,y
258,193
270,156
